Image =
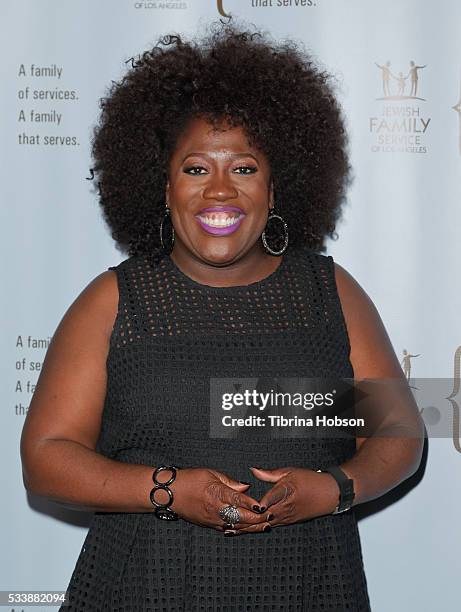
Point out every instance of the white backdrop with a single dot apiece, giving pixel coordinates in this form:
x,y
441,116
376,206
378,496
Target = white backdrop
x,y
399,236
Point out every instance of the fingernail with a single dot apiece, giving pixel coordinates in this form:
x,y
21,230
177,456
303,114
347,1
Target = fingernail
x,y
258,468
262,508
270,517
245,483
229,533
256,508
267,528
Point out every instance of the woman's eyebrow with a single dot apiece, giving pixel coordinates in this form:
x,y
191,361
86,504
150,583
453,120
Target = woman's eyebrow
x,y
220,154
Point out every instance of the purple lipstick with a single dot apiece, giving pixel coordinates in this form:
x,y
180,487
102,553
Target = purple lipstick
x,y
220,221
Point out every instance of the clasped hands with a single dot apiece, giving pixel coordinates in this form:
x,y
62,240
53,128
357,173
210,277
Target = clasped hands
x,y
297,494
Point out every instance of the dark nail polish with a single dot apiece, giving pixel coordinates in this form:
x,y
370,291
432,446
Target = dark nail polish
x,y
270,517
262,508
229,533
256,508
245,483
267,528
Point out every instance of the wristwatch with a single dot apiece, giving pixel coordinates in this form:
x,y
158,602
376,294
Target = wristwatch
x,y
346,488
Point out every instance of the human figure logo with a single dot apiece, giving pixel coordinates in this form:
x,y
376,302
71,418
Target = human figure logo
x,y
400,82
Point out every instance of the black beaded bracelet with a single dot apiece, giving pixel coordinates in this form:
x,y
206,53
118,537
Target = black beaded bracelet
x,y
163,511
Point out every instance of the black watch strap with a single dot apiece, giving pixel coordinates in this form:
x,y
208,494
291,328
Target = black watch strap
x,y
346,488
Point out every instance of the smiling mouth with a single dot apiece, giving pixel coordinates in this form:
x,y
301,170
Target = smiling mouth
x,y
220,219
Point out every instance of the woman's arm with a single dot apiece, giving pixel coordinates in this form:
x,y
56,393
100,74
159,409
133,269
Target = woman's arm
x,y
381,462
64,418
385,458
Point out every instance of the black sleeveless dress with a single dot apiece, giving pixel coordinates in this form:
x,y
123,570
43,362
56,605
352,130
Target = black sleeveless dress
x,y
171,335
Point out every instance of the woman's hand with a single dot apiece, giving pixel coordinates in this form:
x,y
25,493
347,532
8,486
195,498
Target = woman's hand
x,y
199,494
298,494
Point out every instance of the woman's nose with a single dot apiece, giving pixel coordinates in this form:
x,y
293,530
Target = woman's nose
x,y
220,187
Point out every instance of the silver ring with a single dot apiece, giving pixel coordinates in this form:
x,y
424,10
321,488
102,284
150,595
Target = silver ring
x,y
230,515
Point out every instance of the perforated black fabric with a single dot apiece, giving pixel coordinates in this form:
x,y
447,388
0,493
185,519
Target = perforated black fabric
x,y
170,336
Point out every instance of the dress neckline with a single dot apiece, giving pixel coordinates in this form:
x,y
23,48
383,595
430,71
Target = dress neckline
x,y
232,288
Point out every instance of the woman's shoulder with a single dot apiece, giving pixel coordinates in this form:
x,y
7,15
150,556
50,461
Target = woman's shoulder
x,y
355,301
129,262
305,253
97,303
348,287
372,354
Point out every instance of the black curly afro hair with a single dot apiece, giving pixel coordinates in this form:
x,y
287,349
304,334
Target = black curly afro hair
x,y
275,91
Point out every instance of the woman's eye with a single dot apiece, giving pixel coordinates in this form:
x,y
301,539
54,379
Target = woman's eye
x,y
192,170
250,168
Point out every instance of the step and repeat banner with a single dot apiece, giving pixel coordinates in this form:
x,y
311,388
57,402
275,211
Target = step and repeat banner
x,y
398,75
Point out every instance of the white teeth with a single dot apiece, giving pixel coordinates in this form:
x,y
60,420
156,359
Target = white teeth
x,y
219,221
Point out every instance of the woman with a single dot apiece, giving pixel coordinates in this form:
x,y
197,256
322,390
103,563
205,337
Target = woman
x,y
234,149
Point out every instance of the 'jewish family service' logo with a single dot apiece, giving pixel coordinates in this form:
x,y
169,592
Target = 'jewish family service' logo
x,y
442,420
400,125
400,82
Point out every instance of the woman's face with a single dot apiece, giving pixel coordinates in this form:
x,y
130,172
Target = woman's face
x,y
219,191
